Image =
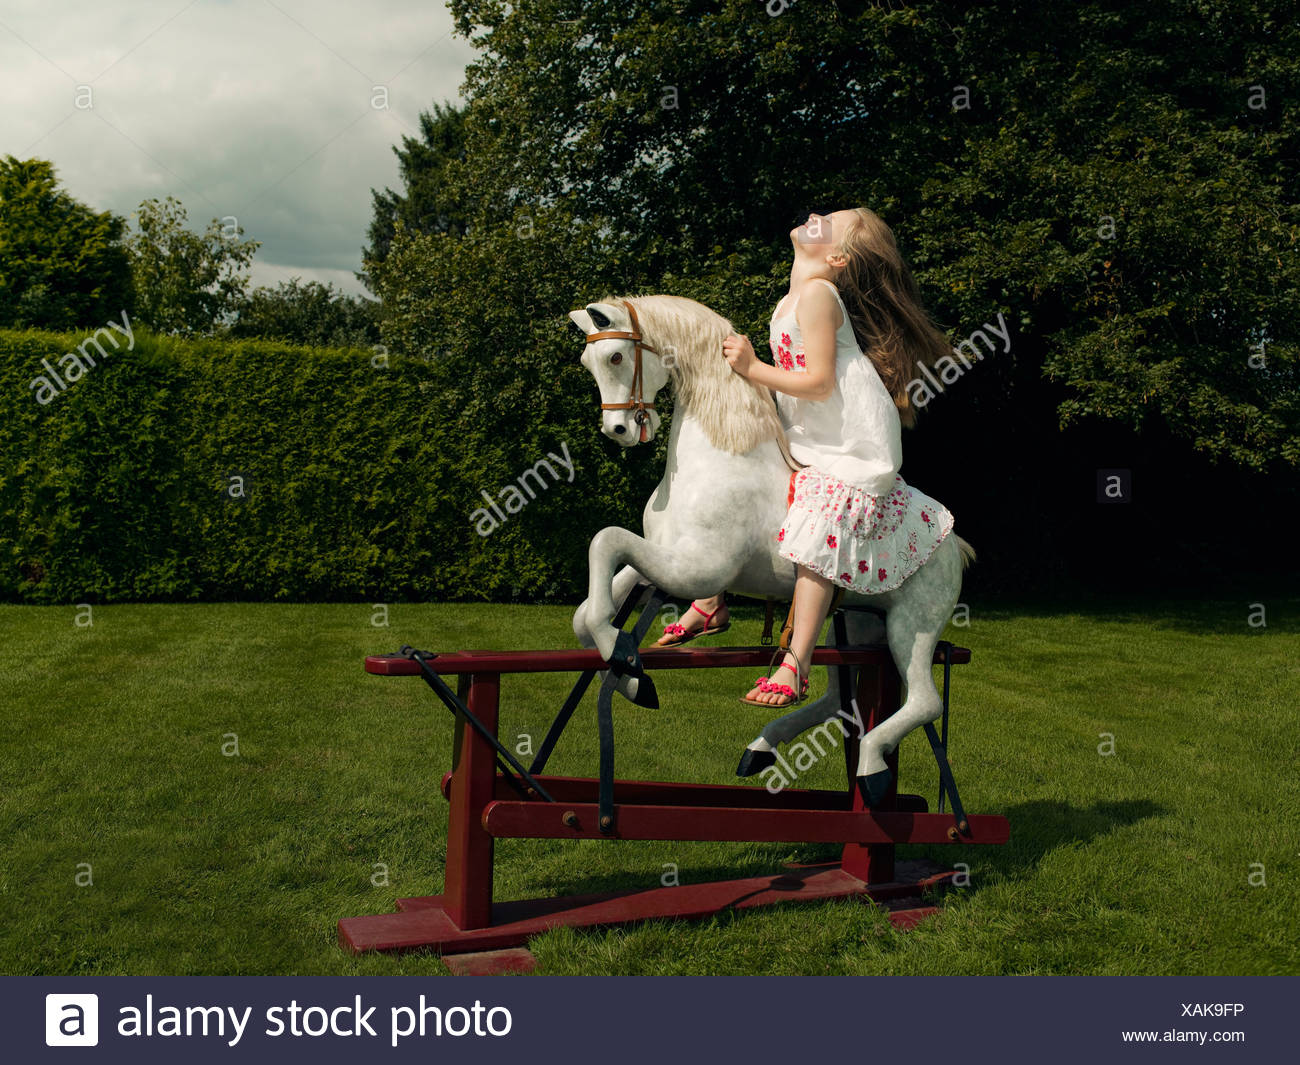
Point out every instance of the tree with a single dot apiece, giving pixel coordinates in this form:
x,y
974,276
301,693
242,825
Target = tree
x,y
1113,182
311,313
186,282
1000,140
61,263
425,205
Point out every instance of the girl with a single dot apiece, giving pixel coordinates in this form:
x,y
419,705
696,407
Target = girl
x,y
852,520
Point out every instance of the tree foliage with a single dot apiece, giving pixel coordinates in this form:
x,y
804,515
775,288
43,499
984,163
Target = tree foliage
x,y
424,205
61,263
186,283
307,313
1120,182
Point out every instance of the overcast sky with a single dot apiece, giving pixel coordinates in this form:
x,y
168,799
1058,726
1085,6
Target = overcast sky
x,y
260,109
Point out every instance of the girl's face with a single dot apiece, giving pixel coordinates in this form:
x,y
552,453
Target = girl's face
x,y
820,235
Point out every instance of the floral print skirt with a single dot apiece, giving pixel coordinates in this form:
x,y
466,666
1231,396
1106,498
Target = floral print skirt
x,y
864,542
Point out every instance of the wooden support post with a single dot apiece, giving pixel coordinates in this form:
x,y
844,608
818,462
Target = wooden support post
x,y
468,889
879,696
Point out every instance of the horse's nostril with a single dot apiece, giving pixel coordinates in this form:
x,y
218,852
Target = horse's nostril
x,y
620,429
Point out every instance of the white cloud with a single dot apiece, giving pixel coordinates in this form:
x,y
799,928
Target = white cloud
x,y
260,109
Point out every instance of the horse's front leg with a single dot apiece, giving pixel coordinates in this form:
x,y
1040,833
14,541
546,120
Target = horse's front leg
x,y
622,584
687,567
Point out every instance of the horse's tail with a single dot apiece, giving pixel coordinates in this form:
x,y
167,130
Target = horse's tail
x,y
967,552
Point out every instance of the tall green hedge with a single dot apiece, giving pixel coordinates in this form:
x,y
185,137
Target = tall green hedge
x,y
358,484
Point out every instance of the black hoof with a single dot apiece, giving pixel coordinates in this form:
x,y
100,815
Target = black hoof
x,y
754,762
874,787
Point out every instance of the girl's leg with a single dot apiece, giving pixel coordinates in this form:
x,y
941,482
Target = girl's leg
x,y
812,599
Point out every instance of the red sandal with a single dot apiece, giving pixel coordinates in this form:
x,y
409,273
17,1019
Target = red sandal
x,y
765,685
676,635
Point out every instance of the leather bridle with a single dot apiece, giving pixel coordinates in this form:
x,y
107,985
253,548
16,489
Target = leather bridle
x,y
637,401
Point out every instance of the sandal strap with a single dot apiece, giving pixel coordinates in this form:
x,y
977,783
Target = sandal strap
x,y
797,671
707,617
765,685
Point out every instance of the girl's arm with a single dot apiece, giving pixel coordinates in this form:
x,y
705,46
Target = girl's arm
x,y
816,313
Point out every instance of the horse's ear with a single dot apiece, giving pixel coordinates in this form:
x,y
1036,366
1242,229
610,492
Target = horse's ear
x,y
598,316
583,321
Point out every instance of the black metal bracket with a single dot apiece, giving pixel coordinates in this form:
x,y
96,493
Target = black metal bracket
x,y
506,761
947,672
844,676
625,661
841,627
939,744
580,686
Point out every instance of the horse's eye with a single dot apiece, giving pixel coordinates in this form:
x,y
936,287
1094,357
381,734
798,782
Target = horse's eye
x,y
616,358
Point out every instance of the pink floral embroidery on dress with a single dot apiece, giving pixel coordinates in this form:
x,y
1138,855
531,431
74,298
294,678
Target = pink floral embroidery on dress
x,y
825,510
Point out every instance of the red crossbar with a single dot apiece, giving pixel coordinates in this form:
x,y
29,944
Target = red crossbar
x,y
673,793
579,820
459,662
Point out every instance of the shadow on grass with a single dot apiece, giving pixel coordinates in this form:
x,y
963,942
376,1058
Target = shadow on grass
x,y
1042,826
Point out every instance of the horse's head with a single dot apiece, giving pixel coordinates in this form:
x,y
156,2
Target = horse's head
x,y
628,372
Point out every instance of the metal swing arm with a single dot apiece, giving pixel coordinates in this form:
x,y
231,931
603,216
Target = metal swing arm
x,y
939,744
625,660
505,760
587,676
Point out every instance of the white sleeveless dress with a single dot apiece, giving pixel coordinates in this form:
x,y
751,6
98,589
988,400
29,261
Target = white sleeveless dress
x,y
852,518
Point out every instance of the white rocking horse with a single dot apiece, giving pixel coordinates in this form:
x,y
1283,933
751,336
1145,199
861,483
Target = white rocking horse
x,y
711,522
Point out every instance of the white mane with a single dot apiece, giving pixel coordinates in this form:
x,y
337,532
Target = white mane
x,y
736,415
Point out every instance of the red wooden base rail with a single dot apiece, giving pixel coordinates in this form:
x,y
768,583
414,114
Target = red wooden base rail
x,y
484,807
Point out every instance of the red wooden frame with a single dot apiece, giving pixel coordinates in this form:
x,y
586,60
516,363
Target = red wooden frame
x,y
484,808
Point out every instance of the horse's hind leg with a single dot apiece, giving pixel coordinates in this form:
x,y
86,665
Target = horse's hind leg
x,y
914,623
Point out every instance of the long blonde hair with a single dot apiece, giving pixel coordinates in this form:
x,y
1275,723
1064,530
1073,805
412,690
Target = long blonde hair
x,y
889,323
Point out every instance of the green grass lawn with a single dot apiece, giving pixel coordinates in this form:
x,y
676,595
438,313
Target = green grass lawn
x,y
207,861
